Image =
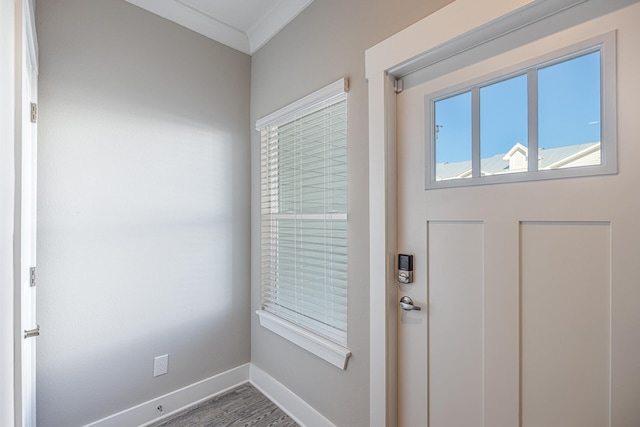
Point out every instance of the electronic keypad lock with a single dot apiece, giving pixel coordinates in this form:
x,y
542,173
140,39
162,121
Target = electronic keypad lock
x,y
405,268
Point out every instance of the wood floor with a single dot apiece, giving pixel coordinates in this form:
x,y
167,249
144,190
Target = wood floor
x,y
243,406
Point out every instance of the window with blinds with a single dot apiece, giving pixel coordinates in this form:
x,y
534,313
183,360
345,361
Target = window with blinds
x,y
304,213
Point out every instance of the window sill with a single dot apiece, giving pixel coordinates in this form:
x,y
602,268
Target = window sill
x,y
321,347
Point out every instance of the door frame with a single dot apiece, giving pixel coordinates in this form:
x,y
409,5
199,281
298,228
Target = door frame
x,y
427,42
25,53
27,50
7,189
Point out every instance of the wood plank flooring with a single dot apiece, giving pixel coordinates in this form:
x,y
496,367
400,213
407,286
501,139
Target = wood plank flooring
x,y
243,406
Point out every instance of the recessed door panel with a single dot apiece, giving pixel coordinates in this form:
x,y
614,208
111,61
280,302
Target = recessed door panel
x,y
565,327
456,343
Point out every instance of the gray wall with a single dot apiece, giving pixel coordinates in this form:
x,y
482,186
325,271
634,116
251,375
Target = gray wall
x,y
325,42
143,221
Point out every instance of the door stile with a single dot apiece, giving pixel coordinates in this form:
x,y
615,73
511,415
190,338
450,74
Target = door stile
x,y
501,322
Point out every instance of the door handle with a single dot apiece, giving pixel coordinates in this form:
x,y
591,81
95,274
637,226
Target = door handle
x,y
32,332
406,304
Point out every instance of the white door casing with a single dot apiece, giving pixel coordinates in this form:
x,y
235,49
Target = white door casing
x,y
25,214
7,142
508,251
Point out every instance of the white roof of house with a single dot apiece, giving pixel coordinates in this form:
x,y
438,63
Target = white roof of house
x,y
551,158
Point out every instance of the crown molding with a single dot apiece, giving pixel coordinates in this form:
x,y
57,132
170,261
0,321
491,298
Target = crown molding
x,y
247,41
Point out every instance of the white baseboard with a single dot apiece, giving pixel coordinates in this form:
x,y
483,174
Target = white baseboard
x,y
175,401
147,413
290,403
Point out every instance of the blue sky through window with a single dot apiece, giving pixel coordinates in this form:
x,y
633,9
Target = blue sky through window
x,y
569,102
453,128
568,112
503,116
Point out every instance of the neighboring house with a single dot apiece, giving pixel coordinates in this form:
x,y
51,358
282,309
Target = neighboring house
x,y
515,160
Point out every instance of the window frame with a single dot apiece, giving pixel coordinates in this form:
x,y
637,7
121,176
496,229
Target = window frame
x,y
605,44
325,348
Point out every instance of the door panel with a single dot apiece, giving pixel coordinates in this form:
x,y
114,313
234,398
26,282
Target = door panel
x,y
566,287
456,328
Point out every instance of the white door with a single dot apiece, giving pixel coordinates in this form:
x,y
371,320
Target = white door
x,y
27,158
529,291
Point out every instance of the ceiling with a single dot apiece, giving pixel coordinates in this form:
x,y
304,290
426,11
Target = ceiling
x,y
244,25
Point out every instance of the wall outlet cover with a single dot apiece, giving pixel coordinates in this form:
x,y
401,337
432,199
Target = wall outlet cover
x,y
160,365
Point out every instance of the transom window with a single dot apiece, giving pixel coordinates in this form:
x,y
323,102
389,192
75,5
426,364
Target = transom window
x,y
551,118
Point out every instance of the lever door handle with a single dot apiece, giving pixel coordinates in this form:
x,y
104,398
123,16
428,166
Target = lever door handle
x,y
406,304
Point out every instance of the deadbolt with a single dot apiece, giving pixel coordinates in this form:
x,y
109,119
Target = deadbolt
x,y
405,268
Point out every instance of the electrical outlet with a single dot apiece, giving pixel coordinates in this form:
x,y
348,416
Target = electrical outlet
x,y
160,365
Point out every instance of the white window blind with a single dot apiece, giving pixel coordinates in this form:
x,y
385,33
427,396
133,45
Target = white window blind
x,y
304,213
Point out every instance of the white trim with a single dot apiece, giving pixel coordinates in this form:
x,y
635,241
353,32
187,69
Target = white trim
x,y
32,37
196,21
336,88
7,197
245,40
321,347
299,410
590,150
178,400
186,397
517,147
273,21
494,21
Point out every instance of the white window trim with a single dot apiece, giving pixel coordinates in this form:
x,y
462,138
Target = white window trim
x,y
321,347
606,44
336,88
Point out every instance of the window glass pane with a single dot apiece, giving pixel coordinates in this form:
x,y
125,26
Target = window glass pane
x,y
452,135
569,113
503,127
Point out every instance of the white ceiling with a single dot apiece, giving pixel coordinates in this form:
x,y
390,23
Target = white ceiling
x,y
244,25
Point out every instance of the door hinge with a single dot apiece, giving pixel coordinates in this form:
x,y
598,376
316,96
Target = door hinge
x,y
32,276
30,333
398,86
34,112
